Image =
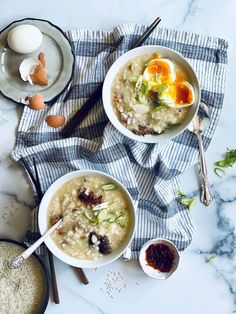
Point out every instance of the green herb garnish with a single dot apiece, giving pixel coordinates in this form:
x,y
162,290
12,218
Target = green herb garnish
x,y
101,206
219,172
108,187
138,85
160,104
102,216
172,126
141,98
96,216
133,78
160,89
186,201
117,218
90,216
148,87
229,159
211,259
179,193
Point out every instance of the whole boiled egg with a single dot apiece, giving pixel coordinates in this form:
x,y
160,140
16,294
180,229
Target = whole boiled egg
x,y
24,38
178,94
159,71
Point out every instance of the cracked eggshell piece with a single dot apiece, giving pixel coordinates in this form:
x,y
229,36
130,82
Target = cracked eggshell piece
x,y
27,68
36,102
24,38
55,121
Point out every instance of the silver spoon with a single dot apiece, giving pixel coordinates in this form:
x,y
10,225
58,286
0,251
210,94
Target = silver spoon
x,y
19,259
200,123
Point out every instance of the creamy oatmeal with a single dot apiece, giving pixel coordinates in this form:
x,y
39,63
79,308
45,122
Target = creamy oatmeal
x,y
151,94
95,215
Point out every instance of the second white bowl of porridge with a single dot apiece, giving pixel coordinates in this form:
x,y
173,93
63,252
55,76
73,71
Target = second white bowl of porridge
x,y
98,218
151,94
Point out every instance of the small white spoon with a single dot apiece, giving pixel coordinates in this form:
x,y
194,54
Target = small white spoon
x,y
19,259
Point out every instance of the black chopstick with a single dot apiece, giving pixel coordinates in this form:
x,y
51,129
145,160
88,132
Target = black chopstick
x,y
146,34
112,48
50,255
83,278
96,95
39,189
53,277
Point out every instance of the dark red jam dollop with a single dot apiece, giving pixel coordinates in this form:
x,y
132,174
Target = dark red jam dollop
x,y
159,256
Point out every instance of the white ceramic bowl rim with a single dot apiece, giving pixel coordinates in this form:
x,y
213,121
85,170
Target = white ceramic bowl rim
x,y
42,220
131,54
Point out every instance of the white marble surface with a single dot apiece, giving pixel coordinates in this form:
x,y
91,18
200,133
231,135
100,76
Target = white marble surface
x,y
197,287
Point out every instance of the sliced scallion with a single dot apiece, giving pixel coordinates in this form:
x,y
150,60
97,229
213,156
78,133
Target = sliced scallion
x,y
102,215
138,84
185,201
108,187
90,215
188,202
133,79
211,259
179,193
101,206
219,172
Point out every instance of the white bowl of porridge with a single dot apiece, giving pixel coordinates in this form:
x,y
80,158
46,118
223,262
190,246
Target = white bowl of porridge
x,y
98,218
151,94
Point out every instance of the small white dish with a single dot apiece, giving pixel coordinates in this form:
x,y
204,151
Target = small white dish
x,y
43,222
132,54
155,273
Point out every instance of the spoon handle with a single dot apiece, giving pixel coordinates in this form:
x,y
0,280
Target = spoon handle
x,y
206,196
19,259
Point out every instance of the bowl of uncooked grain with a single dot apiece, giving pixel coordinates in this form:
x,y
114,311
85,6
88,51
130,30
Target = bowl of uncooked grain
x,y
23,290
151,94
98,218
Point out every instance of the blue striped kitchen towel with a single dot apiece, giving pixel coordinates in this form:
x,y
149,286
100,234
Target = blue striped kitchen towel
x,y
150,172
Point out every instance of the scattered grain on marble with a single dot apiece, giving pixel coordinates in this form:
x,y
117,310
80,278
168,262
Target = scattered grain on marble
x,y
114,284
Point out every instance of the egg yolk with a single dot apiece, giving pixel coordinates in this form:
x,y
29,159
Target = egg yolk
x,y
181,93
160,68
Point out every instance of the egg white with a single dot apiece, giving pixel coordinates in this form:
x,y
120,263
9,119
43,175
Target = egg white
x,y
168,99
149,77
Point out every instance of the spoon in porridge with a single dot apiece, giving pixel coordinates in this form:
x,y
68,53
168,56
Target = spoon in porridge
x,y
19,259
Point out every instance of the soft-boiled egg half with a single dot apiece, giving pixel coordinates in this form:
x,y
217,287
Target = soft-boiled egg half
x,y
177,91
178,94
159,71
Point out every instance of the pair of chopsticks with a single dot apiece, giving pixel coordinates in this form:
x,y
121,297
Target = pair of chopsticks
x,y
80,271
96,95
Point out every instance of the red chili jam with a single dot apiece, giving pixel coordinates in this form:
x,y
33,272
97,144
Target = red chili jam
x,y
159,256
